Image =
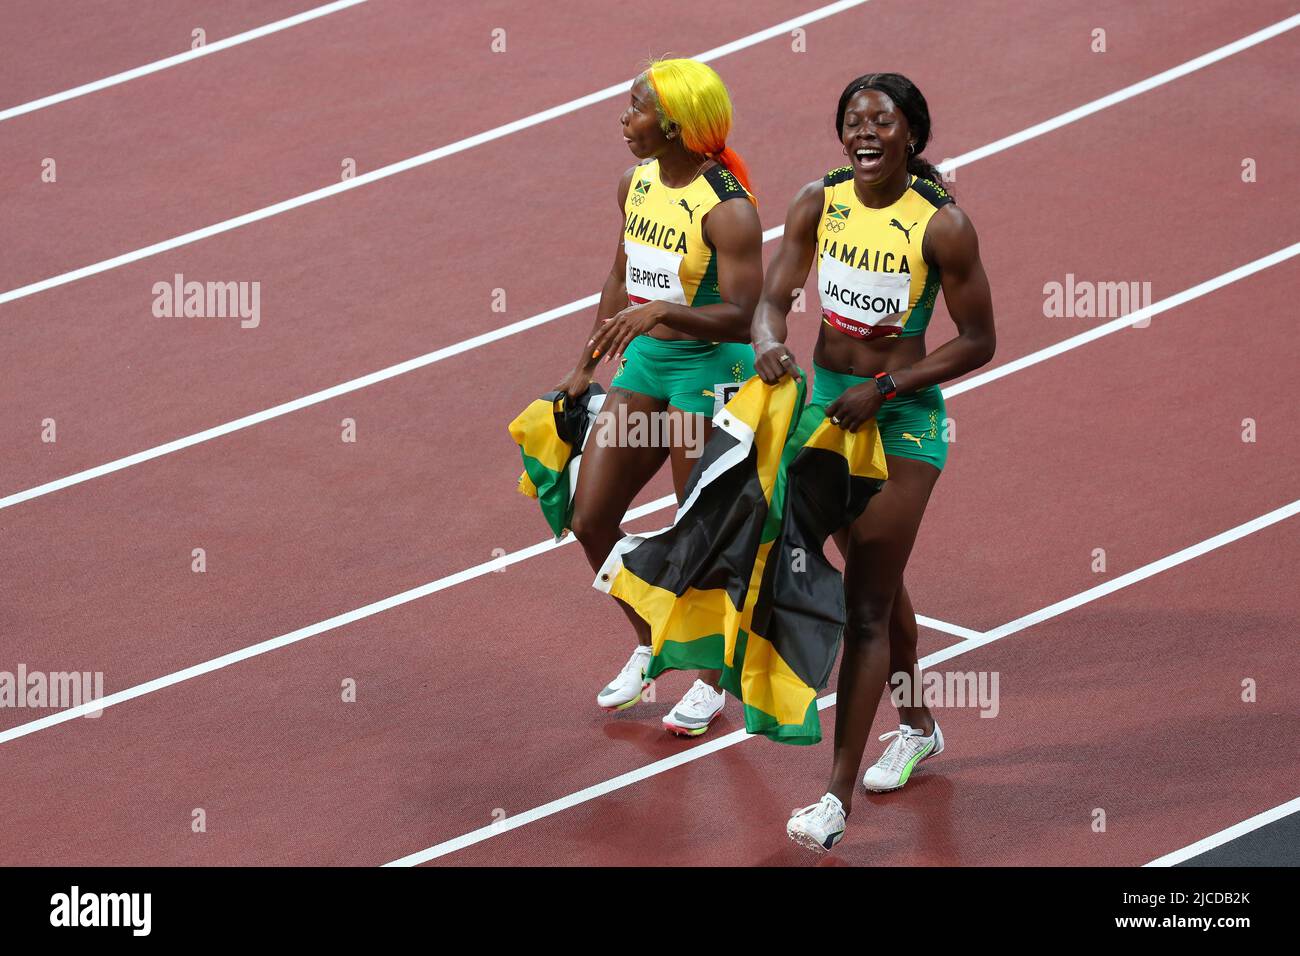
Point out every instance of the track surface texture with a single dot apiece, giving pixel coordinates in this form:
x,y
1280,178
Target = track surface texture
x,y
474,737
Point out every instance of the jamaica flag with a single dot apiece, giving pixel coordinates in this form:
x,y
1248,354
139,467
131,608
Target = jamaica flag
x,y
739,582
547,432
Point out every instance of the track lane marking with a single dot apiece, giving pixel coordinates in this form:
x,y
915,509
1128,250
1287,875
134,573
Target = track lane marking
x,y
1124,321
822,706
824,703
215,46
1227,835
577,305
422,159
965,633
306,401
970,638
340,620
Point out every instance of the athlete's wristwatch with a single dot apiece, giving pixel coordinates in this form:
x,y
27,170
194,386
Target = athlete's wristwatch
x,y
885,382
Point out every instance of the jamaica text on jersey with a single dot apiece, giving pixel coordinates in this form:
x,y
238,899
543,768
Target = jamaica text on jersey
x,y
668,257
871,276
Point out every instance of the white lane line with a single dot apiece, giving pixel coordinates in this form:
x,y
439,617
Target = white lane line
x,y
554,112
1224,836
540,319
284,640
1109,100
1128,92
302,633
406,596
306,401
1124,580
824,703
1141,315
215,47
58,484
970,638
572,800
339,620
998,146
965,633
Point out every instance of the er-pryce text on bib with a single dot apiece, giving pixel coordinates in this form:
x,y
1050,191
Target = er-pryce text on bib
x,y
860,302
652,274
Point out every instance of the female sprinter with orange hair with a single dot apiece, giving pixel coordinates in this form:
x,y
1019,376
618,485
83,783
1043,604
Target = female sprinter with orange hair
x,y
676,306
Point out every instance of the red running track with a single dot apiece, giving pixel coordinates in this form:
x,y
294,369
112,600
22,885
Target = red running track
x,y
299,527
407,265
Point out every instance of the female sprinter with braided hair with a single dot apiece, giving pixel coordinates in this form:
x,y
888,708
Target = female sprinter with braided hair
x,y
676,306
886,237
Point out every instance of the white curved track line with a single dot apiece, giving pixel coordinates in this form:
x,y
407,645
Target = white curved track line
x,y
970,638
423,159
216,46
577,305
824,703
1227,835
1164,305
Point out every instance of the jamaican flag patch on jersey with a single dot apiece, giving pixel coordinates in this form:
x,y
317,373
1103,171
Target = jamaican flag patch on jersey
x,y
547,432
739,581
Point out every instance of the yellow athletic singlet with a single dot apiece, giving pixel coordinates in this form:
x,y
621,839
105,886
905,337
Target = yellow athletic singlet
x,y
667,255
871,275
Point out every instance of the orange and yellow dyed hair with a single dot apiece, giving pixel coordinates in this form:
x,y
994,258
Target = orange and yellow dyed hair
x,y
692,95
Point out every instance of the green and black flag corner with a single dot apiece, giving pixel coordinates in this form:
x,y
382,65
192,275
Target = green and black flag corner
x,y
547,432
739,582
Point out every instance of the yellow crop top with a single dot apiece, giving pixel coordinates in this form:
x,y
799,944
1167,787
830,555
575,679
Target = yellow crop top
x,y
663,236
872,279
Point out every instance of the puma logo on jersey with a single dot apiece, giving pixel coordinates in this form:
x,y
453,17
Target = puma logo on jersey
x,y
905,231
690,212
908,435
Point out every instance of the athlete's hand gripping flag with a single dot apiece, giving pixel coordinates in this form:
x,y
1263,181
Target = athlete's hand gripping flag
x,y
739,581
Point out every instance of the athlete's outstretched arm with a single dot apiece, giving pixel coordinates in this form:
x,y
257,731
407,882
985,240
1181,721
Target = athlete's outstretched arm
x,y
613,297
952,246
734,231
785,277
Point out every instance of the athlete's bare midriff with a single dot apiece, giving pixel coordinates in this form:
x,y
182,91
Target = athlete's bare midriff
x,y
838,352
671,335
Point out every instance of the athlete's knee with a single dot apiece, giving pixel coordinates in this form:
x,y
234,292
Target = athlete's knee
x,y
868,619
582,524
589,525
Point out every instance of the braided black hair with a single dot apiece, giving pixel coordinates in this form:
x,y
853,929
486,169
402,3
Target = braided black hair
x,y
908,99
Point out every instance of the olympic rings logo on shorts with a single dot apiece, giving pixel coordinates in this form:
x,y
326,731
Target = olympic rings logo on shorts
x,y
835,225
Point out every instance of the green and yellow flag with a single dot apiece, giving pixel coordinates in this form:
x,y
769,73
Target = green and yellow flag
x,y
547,432
739,581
